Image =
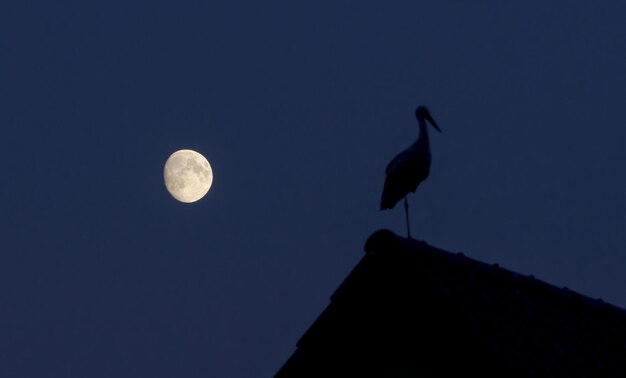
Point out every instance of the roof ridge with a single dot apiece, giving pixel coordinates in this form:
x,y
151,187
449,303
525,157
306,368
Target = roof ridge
x,y
386,241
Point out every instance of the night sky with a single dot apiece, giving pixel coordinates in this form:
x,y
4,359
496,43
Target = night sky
x,y
299,108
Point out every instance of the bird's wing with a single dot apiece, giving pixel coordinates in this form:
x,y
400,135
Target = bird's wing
x,y
402,159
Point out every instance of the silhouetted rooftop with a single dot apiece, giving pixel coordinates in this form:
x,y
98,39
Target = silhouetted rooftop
x,y
409,309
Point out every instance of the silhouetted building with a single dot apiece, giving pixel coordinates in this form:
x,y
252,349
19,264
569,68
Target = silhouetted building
x,y
411,310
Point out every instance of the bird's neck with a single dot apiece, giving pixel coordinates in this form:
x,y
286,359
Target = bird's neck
x,y
423,137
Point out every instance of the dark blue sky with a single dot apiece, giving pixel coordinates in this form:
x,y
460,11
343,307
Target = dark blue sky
x,y
298,107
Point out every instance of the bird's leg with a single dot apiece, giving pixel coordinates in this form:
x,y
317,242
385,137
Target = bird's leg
x,y
406,213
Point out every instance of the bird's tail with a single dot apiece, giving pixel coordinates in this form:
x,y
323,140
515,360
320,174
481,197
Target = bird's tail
x,y
390,196
386,204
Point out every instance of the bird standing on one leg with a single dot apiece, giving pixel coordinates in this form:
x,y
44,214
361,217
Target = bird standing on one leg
x,y
407,170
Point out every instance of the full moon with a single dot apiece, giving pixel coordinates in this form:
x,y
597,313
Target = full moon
x,y
188,175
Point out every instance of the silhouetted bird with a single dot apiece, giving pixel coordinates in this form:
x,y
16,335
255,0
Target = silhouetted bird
x,y
407,170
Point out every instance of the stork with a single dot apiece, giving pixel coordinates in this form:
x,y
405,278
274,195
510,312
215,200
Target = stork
x,y
409,168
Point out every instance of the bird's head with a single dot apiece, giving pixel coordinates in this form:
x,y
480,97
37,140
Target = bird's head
x,y
422,113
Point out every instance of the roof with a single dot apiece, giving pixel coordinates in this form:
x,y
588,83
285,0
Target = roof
x,y
409,309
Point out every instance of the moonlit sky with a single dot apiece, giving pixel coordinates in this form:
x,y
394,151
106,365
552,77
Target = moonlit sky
x,y
299,106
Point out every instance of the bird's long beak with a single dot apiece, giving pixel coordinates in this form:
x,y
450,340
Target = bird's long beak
x,y
432,122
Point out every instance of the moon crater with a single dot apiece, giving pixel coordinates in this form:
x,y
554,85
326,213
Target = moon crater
x,y
188,175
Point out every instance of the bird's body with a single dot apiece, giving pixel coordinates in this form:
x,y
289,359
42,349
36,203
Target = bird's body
x,y
409,168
